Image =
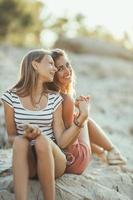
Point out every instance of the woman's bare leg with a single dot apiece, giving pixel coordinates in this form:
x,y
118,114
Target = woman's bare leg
x,y
45,167
94,136
98,137
20,168
84,136
47,158
96,149
100,142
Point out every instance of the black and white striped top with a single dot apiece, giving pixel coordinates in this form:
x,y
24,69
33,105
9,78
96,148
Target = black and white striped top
x,y
43,118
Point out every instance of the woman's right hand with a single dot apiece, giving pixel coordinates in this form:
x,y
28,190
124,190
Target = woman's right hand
x,y
31,132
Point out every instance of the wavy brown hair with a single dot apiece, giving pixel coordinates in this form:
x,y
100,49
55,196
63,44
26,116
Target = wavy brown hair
x,y
56,54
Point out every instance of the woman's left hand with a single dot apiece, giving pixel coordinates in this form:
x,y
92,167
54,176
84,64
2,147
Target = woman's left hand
x,y
83,104
82,98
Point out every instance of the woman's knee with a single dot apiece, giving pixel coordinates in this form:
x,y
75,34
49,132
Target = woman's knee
x,y
42,145
60,170
20,144
90,121
60,160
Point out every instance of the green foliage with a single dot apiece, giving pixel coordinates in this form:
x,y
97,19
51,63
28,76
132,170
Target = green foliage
x,y
77,27
60,26
20,22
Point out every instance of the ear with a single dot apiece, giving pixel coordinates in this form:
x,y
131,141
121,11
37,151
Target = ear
x,y
34,64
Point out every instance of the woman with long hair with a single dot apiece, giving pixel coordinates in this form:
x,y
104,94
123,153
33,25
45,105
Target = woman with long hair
x,y
63,83
33,117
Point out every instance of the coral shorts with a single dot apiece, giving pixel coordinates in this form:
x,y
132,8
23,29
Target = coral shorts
x,y
78,156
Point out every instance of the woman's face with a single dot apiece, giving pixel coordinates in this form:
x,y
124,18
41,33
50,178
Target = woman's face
x,y
64,72
46,68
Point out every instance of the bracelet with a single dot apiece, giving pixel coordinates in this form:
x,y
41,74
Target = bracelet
x,y
78,123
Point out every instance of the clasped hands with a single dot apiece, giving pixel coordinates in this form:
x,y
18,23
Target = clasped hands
x,y
31,132
83,104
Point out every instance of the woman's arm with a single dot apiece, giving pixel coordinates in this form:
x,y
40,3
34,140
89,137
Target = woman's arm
x,y
65,137
67,111
10,123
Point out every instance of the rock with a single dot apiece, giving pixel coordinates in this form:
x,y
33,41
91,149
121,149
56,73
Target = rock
x,y
101,66
3,134
5,195
113,186
107,77
131,130
99,181
93,46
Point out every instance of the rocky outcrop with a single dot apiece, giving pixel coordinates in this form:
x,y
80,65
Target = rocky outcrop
x,y
107,77
3,134
98,182
93,46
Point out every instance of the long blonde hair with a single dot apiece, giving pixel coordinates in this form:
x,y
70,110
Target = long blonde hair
x,y
56,54
28,75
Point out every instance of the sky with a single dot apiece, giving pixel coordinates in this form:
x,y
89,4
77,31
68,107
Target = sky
x,y
115,15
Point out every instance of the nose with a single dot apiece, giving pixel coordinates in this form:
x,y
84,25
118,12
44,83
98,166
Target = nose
x,y
67,70
55,69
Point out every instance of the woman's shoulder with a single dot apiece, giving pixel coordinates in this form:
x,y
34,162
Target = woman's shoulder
x,y
10,91
55,99
7,97
7,92
10,94
54,94
67,97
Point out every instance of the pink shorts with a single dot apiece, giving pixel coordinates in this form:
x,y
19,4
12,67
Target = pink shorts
x,y
78,157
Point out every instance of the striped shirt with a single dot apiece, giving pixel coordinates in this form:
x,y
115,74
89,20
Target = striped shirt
x,y
42,118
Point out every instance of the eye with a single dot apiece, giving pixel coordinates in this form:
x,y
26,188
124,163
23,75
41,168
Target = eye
x,y
68,66
60,68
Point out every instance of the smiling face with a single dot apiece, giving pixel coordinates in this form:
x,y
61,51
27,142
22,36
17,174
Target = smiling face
x,y
46,68
63,76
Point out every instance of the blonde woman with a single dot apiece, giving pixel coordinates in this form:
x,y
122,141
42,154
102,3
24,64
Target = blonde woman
x,y
33,118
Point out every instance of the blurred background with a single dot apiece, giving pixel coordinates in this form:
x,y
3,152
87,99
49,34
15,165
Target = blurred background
x,y
98,37
37,22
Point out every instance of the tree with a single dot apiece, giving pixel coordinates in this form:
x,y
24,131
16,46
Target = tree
x,y
20,21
